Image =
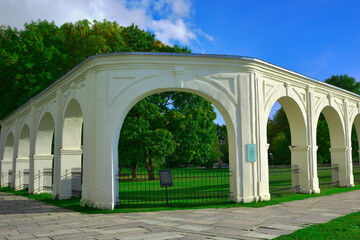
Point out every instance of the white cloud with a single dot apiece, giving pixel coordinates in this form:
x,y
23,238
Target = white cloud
x,y
170,20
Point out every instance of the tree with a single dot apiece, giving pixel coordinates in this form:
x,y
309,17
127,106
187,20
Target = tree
x,y
223,142
279,138
344,82
33,58
194,130
172,128
144,139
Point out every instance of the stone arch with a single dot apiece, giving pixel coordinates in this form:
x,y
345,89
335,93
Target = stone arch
x,y
338,148
24,141
72,125
296,116
71,151
42,171
207,90
9,147
7,160
44,136
22,163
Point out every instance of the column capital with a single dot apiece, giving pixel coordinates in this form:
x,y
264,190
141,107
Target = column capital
x,y
71,151
299,148
5,161
22,159
43,157
338,149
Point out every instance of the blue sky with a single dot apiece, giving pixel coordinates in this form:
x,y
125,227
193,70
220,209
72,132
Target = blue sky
x,y
317,38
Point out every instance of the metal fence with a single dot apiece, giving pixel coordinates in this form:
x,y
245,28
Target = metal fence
x,y
76,180
26,178
47,179
281,179
285,178
190,186
9,178
356,173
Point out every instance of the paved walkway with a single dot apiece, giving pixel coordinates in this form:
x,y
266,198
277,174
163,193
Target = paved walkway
x,y
22,218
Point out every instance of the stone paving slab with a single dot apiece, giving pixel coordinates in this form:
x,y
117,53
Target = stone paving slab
x,y
22,218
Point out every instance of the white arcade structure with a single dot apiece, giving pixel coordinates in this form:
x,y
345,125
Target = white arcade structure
x,y
74,125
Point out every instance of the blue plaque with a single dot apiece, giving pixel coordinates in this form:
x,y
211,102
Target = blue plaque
x,y
251,152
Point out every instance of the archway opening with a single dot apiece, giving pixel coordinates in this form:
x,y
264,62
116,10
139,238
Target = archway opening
x,y
355,134
330,140
173,134
6,163
287,152
22,164
44,154
71,152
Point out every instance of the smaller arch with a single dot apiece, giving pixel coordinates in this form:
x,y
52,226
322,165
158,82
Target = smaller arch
x,y
45,133
335,124
338,148
72,128
7,160
9,147
299,146
24,142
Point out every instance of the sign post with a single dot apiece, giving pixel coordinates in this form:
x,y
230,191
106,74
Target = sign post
x,y
165,181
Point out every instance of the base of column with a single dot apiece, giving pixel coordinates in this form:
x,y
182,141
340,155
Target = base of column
x,y
94,204
64,196
265,197
315,191
305,191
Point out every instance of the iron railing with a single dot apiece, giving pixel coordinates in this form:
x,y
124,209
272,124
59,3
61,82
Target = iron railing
x,y
283,179
190,186
47,179
76,180
356,173
26,178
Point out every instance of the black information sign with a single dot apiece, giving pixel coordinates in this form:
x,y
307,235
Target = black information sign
x,y
165,178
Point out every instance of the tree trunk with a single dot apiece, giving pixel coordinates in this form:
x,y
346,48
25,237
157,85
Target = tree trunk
x,y
150,169
121,168
134,170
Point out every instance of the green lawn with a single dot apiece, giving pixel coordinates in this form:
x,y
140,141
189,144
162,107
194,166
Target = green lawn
x,y
74,203
347,227
190,186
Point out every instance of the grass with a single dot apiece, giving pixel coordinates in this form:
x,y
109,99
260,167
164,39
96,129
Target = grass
x,y
74,203
347,227
190,186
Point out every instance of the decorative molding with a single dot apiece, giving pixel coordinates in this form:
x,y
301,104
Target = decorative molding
x,y
39,157
71,151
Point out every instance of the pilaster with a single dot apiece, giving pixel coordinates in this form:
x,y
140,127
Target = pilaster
x,y
311,133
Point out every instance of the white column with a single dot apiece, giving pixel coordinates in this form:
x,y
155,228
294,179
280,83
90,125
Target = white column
x,y
40,162
21,164
6,165
348,168
311,133
300,177
69,158
339,172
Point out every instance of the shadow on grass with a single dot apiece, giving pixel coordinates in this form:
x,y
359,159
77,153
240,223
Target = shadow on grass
x,y
74,203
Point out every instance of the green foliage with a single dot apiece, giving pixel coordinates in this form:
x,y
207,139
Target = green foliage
x,y
144,139
175,128
344,82
279,138
323,141
33,58
223,142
